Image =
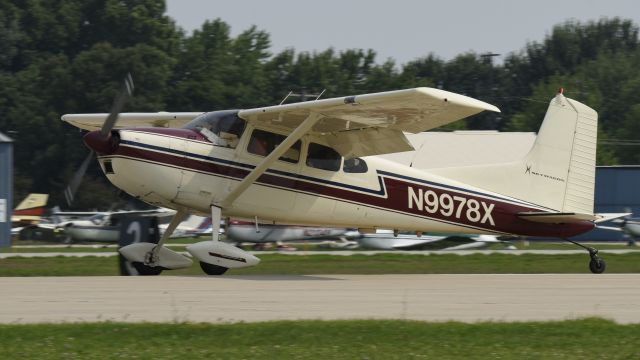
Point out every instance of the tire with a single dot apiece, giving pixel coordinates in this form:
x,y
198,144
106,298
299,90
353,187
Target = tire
x,y
145,270
211,269
597,266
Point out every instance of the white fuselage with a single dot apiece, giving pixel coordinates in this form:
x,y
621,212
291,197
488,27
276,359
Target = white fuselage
x,y
176,169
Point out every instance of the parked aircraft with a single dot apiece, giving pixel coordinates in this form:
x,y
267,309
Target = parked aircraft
x,y
314,163
28,213
387,240
106,227
192,226
30,210
99,227
630,226
239,231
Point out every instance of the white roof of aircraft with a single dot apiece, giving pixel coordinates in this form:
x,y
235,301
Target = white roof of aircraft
x,y
462,148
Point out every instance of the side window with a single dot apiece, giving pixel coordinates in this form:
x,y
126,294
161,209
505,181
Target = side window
x,y
323,157
355,165
263,143
223,131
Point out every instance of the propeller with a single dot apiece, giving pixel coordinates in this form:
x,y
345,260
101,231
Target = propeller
x,y
100,139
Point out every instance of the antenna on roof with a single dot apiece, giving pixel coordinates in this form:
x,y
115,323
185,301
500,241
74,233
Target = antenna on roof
x,y
303,95
285,98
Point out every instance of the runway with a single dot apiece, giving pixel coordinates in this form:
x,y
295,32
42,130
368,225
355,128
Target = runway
x,y
467,298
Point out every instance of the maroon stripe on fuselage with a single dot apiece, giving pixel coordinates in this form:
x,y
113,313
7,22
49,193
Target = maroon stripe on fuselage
x,y
503,214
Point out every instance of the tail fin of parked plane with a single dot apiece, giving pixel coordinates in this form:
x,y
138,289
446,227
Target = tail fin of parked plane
x,y
558,172
30,209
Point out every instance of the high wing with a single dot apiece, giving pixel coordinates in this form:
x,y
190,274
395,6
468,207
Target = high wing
x,y
360,125
370,124
92,122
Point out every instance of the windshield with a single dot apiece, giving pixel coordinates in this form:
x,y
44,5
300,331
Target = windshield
x,y
222,128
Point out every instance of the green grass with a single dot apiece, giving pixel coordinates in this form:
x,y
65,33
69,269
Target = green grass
x,y
356,264
356,339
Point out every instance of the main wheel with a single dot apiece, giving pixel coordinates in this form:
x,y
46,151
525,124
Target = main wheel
x,y
211,269
147,270
597,265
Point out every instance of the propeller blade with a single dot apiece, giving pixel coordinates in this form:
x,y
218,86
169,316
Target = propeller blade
x,y
118,104
70,191
109,123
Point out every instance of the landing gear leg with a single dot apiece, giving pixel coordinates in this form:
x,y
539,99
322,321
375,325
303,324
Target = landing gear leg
x,y
596,265
216,216
151,258
211,269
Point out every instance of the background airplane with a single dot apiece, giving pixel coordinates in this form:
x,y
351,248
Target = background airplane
x,y
106,226
83,226
192,226
387,240
28,213
263,235
30,210
630,226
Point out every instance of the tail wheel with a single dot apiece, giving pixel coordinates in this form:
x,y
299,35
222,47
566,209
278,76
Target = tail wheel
x,y
211,269
147,270
597,265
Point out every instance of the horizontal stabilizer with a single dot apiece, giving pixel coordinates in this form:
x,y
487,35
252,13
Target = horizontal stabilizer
x,y
563,218
556,218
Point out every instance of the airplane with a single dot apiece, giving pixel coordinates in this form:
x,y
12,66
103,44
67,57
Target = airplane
x,y
76,227
28,213
261,235
315,163
630,226
192,226
239,231
384,239
30,210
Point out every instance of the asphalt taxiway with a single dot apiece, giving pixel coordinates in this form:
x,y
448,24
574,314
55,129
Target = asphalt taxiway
x,y
468,298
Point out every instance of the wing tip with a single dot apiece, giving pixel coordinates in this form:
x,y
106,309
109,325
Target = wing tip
x,y
456,98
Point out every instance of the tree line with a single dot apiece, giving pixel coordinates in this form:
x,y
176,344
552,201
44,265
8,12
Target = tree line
x,y
69,56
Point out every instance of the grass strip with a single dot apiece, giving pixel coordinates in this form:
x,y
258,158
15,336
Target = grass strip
x,y
348,339
355,264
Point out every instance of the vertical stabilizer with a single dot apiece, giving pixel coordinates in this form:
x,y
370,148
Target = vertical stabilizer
x,y
30,209
558,172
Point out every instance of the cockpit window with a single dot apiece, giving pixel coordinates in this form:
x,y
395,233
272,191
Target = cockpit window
x,y
323,157
263,143
222,128
355,165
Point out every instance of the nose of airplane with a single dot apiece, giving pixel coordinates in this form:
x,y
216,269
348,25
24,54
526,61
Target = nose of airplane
x,y
100,143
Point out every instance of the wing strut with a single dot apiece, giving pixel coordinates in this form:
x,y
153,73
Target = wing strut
x,y
298,133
